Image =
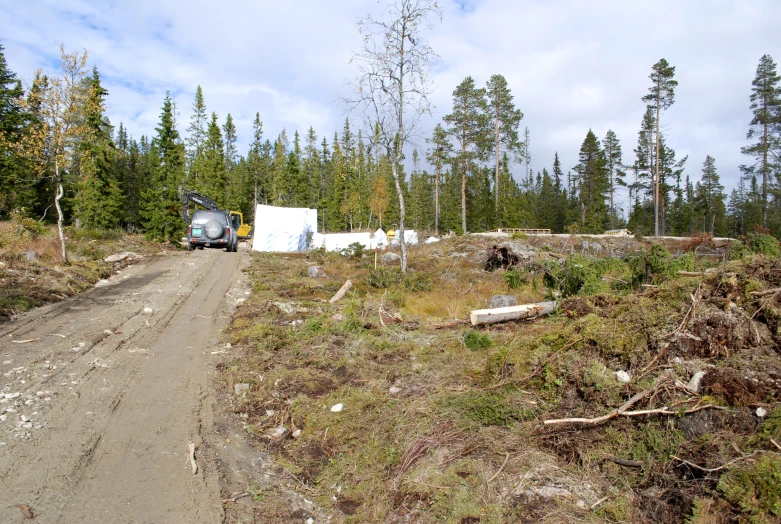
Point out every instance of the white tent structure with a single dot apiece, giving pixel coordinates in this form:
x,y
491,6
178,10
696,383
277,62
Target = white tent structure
x,y
286,229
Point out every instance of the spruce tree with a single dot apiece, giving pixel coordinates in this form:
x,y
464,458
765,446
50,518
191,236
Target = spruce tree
x,y
468,124
592,185
764,128
710,200
505,118
196,139
214,179
615,171
661,95
161,211
99,200
15,191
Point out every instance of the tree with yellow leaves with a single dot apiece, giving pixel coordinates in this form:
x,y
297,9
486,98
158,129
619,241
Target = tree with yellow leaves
x,y
58,102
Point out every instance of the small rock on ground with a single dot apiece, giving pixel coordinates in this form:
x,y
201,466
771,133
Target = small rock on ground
x,y
503,301
391,258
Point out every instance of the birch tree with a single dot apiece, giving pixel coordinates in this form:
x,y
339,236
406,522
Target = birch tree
x,y
51,143
393,86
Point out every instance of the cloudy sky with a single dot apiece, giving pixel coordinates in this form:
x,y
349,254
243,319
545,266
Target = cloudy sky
x,y
571,64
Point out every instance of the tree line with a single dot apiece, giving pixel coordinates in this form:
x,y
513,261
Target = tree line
x,y
58,149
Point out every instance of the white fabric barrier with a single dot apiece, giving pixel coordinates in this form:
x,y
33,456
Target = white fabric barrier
x,y
431,240
286,229
410,238
339,241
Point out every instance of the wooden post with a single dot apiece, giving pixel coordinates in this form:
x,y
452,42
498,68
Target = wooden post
x,y
342,291
503,314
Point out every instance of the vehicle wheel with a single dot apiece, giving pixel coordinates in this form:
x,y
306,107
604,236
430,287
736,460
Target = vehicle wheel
x,y
200,247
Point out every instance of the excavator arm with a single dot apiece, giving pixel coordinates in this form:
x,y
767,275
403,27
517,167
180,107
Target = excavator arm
x,y
187,196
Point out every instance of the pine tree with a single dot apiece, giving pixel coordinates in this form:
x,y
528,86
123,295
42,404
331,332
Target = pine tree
x,y
661,95
439,156
161,214
765,128
99,201
468,125
506,119
615,171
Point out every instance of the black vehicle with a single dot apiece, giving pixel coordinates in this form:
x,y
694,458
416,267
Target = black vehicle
x,y
212,228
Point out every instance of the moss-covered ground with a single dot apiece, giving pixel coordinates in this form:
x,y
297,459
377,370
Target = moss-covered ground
x,y
444,422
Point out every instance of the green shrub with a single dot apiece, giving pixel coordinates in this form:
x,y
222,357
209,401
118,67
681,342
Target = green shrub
x,y
384,277
581,275
83,233
762,244
417,281
26,227
514,279
474,340
755,489
487,409
354,250
657,265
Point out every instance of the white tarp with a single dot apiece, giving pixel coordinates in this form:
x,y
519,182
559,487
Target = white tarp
x,y
283,228
339,241
431,240
410,238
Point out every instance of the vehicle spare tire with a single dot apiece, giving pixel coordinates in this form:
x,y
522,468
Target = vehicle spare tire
x,y
213,229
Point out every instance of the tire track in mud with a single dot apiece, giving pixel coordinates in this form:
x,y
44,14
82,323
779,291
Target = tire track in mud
x,y
113,444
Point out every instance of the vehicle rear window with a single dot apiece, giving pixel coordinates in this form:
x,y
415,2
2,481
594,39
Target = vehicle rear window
x,y
201,217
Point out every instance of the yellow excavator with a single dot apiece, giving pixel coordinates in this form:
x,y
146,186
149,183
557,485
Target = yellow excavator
x,y
243,230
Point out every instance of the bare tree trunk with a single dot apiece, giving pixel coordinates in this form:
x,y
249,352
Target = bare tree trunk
x,y
57,198
402,213
764,174
436,201
463,180
656,180
496,174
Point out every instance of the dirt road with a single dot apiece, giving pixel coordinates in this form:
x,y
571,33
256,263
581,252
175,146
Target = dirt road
x,y
101,394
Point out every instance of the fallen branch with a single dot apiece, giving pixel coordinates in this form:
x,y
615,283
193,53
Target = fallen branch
x,y
766,302
723,466
597,503
639,413
235,497
616,412
25,341
191,448
683,273
342,291
450,324
765,292
625,462
506,458
503,314
776,444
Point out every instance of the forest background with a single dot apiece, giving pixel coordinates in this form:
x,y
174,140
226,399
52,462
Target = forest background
x,y
605,183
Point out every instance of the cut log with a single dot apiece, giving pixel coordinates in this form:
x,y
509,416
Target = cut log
x,y
503,314
342,291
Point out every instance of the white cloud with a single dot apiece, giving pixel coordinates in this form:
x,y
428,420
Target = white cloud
x,y
571,65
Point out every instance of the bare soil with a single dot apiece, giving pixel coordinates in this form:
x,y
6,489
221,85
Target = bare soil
x,y
113,384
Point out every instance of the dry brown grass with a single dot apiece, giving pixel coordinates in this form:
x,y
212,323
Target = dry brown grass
x,y
427,422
